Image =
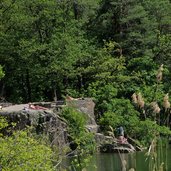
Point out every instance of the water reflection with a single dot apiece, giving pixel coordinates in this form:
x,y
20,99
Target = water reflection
x,y
113,162
124,162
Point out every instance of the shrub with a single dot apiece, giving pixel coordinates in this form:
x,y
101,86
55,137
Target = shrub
x,y
22,151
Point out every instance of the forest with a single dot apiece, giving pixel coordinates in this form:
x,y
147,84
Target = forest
x,y
116,52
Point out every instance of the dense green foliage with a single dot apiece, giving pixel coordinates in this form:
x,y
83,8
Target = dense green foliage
x,y
22,151
81,139
105,49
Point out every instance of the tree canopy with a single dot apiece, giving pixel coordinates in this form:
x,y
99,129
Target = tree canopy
x,y
105,49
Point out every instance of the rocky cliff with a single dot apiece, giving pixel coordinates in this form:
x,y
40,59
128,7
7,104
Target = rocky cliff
x,y
45,119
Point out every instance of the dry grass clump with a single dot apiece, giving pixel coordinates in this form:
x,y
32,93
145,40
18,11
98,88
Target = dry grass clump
x,y
159,75
134,98
155,107
138,99
166,103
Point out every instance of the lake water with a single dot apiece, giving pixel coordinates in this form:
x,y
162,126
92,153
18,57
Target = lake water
x,y
138,161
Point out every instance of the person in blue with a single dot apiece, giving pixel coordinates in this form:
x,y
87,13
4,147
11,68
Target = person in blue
x,y
121,138
120,131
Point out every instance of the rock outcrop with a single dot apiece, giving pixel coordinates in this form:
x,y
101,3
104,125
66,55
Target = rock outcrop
x,y
85,106
43,121
46,119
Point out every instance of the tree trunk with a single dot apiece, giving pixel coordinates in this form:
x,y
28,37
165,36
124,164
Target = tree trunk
x,y
2,90
55,95
28,86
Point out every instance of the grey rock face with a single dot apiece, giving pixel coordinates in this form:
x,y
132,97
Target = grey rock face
x,y
85,106
43,121
49,122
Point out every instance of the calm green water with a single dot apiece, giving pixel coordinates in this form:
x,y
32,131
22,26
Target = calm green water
x,y
138,161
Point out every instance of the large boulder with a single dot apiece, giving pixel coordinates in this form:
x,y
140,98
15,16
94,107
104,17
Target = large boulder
x,y
86,106
42,121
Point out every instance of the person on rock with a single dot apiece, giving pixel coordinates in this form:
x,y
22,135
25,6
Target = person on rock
x,y
121,138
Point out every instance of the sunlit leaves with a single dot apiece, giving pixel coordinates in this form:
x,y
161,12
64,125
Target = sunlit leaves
x,y
21,151
1,72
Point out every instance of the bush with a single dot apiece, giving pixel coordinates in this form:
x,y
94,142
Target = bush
x,y
149,129
83,139
121,112
22,151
